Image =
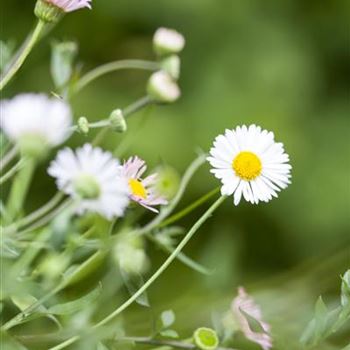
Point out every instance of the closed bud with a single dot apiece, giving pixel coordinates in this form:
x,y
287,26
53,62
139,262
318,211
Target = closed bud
x,y
205,339
83,125
168,41
117,121
130,255
162,88
172,65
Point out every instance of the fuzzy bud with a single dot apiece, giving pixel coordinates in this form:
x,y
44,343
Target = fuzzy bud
x,y
83,125
117,121
168,41
172,65
162,88
87,187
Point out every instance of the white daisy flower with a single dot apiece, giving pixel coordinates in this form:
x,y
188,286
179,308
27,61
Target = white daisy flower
x,y
36,118
249,162
243,307
91,176
167,41
143,191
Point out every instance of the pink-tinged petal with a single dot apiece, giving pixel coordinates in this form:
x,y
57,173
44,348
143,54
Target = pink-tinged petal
x,y
244,305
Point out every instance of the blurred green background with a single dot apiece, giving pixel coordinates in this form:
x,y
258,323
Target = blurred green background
x,y
283,65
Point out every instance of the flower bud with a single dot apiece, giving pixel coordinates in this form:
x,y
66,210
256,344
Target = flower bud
x,y
162,88
117,121
206,338
47,11
172,66
83,125
167,41
168,181
129,254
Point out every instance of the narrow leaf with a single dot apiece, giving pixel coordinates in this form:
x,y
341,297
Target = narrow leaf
x,y
76,305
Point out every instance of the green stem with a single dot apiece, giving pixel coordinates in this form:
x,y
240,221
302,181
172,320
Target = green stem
x,y
166,211
8,157
189,209
171,343
154,277
21,56
37,214
127,111
19,189
111,67
12,171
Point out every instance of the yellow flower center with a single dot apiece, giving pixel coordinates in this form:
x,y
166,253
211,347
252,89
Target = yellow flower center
x,y
137,188
247,165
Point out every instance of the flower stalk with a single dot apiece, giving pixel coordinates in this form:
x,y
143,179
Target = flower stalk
x,y
23,53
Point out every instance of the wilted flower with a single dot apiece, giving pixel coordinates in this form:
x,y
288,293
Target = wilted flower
x,y
248,161
35,121
162,87
244,307
91,176
168,41
142,191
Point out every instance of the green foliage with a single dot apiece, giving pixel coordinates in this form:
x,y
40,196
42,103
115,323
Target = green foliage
x,y
326,322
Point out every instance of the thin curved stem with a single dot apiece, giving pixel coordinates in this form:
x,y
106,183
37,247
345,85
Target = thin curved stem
x,y
166,211
127,111
8,157
189,209
111,67
12,171
37,214
21,56
154,277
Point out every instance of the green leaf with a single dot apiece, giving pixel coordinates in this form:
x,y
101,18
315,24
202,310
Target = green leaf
x,y
168,318
254,324
76,305
320,318
6,52
101,346
133,283
169,333
345,289
77,273
62,59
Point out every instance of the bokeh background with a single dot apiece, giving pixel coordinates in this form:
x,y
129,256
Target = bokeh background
x,y
283,65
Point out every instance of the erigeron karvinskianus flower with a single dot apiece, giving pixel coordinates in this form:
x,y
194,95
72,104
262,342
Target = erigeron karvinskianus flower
x,y
50,10
168,41
249,162
92,177
143,191
162,87
245,310
35,122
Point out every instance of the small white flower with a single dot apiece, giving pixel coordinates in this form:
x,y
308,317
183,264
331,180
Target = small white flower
x,y
243,307
36,116
70,5
250,163
91,176
162,88
143,191
167,41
